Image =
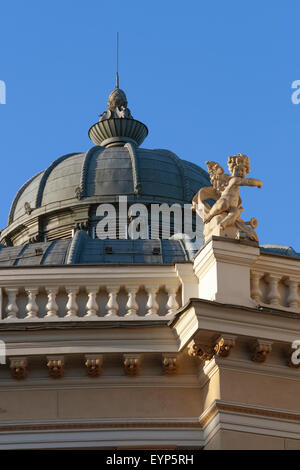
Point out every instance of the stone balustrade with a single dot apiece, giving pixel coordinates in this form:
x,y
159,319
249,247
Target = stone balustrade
x,y
94,302
275,282
80,294
149,292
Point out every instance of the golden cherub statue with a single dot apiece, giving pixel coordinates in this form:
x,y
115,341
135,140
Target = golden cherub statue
x,y
223,218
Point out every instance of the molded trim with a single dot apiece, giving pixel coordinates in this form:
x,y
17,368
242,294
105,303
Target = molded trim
x,y
46,175
135,171
74,252
85,169
19,194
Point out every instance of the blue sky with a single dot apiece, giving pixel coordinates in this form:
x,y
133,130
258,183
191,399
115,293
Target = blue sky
x,y
209,79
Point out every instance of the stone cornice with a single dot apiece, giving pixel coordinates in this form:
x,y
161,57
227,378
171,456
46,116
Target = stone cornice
x,y
75,325
266,309
82,273
223,415
236,320
246,367
280,265
127,345
104,424
220,405
217,405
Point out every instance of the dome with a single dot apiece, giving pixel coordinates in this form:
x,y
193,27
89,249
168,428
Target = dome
x,y
62,199
103,174
82,249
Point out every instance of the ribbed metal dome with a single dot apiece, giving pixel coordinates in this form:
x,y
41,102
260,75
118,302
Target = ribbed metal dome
x,y
82,249
62,199
102,174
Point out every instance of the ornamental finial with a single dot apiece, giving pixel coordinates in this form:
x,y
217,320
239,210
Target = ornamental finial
x,y
117,106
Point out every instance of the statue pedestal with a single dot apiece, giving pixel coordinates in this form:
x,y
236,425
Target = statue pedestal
x,y
214,228
223,270
239,231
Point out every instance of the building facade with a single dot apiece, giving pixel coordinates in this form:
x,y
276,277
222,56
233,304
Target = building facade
x,y
154,343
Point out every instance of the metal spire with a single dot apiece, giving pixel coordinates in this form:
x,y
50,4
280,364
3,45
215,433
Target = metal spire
x,y
117,77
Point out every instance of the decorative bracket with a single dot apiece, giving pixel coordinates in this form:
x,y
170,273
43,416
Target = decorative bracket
x,y
18,367
55,366
169,363
260,350
224,345
93,363
205,352
132,364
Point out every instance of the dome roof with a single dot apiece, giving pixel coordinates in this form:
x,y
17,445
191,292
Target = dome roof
x,y
63,199
81,249
103,174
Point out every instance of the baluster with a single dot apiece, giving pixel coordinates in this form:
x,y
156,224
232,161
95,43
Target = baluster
x,y
51,306
131,306
293,296
273,296
12,309
172,304
72,307
92,306
112,306
256,292
32,307
152,306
